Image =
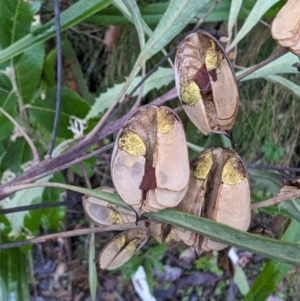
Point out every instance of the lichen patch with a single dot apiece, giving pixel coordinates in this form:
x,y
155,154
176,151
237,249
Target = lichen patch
x,y
132,144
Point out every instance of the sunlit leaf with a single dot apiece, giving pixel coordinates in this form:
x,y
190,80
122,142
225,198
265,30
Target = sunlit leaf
x,y
162,77
137,19
283,64
285,82
259,9
233,14
176,17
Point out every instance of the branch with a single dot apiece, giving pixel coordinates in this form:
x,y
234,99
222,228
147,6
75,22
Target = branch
x,y
262,64
50,237
76,153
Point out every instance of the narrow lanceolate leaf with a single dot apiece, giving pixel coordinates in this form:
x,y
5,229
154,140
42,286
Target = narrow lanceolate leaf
x,y
92,267
13,277
285,82
70,17
137,19
15,20
233,14
259,9
283,64
274,271
287,252
271,248
28,71
177,16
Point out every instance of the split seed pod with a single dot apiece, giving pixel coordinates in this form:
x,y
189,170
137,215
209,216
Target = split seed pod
x,y
219,189
122,248
286,26
149,167
104,213
206,83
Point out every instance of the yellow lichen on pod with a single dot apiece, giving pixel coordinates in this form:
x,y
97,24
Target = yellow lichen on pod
x,y
213,57
145,168
203,166
206,83
104,213
132,144
219,189
119,250
286,26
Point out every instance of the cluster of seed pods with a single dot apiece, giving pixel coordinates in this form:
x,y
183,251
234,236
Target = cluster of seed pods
x,y
150,167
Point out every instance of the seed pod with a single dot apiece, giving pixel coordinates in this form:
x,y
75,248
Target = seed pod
x,y
206,83
122,248
286,26
219,189
145,168
104,213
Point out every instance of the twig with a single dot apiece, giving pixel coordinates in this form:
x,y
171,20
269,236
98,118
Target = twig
x,y
78,232
271,167
275,201
59,77
262,64
35,154
33,207
72,156
202,20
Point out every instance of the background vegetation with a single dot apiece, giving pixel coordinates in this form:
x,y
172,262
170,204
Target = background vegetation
x,y
105,44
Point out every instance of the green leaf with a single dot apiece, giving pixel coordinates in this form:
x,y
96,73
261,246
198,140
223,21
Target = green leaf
x,y
259,9
72,105
15,21
265,180
13,278
281,65
162,77
23,198
284,82
28,71
233,14
70,60
137,20
240,280
274,271
287,252
177,16
92,267
8,102
18,154
70,17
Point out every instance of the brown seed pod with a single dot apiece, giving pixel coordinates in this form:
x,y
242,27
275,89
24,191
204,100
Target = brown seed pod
x,y
104,213
219,189
122,248
206,83
145,168
286,26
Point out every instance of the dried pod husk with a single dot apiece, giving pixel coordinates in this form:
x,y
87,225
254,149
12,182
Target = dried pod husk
x,y
285,28
206,83
219,189
104,213
163,233
145,167
119,250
